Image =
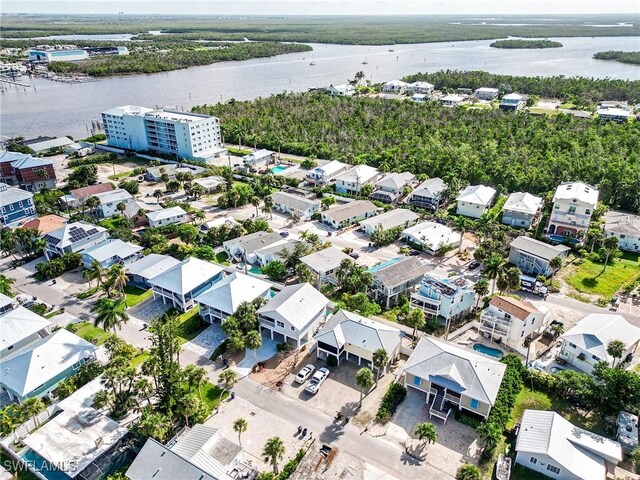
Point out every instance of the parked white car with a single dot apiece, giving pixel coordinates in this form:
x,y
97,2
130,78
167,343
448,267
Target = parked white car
x,y
318,379
305,373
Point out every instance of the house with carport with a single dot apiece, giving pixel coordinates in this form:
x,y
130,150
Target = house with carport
x,y
180,285
294,314
451,377
396,277
352,337
534,257
224,297
586,343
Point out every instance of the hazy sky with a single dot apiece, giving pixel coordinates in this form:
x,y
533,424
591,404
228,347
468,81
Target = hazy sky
x,y
320,7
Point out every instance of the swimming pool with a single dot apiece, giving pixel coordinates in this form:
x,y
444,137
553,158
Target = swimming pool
x,y
44,466
278,169
561,238
492,352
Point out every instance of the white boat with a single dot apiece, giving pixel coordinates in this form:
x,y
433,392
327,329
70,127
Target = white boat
x,y
503,467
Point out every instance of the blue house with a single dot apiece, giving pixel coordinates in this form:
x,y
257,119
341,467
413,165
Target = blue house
x,y
16,206
446,299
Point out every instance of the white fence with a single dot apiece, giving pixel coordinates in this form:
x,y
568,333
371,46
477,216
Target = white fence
x,y
29,425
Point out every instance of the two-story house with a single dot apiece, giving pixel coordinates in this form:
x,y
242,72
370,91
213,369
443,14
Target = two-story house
x,y
180,285
586,343
294,314
573,206
167,216
625,227
446,299
352,181
475,200
16,206
452,377
429,194
511,321
30,173
110,252
396,277
534,257
78,197
244,248
73,238
391,187
522,210
486,93
19,326
512,102
324,263
110,200
324,173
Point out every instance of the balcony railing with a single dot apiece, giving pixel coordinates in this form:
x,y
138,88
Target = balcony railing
x,y
494,325
575,219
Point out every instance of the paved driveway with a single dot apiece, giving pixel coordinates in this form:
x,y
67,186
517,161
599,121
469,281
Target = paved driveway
x,y
267,350
149,310
207,341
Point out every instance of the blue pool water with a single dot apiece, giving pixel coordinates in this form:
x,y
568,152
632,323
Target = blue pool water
x,y
561,238
43,466
278,169
256,270
492,352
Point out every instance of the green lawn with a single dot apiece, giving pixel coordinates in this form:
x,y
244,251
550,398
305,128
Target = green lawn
x,y
518,472
589,277
90,332
222,258
211,394
139,359
87,293
135,295
536,400
191,325
112,223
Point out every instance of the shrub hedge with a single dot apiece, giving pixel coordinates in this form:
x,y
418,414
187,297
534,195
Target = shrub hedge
x,y
390,402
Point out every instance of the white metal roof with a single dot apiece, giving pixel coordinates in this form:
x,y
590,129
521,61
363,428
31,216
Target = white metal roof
x,y
350,328
298,304
477,195
622,223
475,375
430,188
79,434
186,275
538,248
49,144
432,234
573,449
513,96
117,195
295,202
9,195
325,260
18,324
359,174
165,213
577,191
523,203
152,265
227,294
331,168
594,332
393,218
487,90
43,361
112,248
72,233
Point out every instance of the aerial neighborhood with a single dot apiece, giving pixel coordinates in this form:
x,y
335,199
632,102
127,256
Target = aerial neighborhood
x,y
185,296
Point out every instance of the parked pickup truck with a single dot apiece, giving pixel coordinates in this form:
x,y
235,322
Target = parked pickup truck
x,y
530,284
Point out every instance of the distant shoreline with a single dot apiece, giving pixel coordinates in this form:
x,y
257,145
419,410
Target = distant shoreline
x,y
526,44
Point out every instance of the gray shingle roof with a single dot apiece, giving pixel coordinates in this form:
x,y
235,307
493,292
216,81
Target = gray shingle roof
x,y
538,248
325,260
254,241
400,272
117,195
350,210
476,375
622,223
112,248
295,202
430,188
350,328
396,180
152,265
400,217
9,195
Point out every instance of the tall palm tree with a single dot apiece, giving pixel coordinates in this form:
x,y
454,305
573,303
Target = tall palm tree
x,y
253,341
610,245
110,313
426,432
31,407
92,203
616,349
195,377
364,380
267,206
273,452
481,288
255,201
94,272
493,268
8,242
5,285
380,360
240,426
415,319
461,225
118,278
228,378
556,264
509,279
158,195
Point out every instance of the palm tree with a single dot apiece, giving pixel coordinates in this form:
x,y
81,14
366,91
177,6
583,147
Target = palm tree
x,y
610,245
31,407
253,341
8,242
94,272
267,206
158,195
304,273
556,264
240,426
118,278
557,329
110,313
364,380
616,349
493,267
121,207
426,433
509,279
461,224
228,378
195,377
273,451
380,360
481,288
92,203
255,201
5,285
199,215
415,319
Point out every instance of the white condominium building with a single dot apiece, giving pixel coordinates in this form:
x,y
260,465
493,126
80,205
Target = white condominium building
x,y
186,135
